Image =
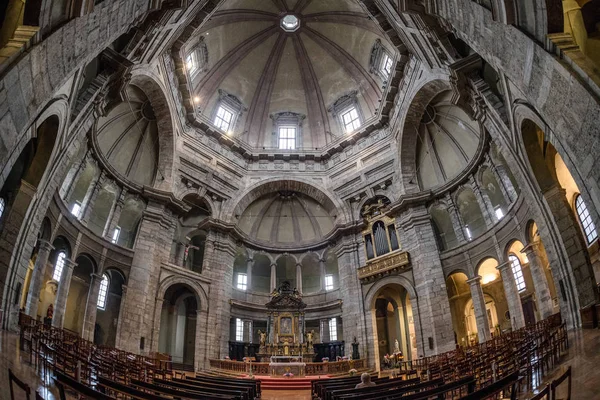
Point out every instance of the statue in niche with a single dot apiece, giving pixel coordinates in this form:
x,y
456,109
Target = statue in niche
x,y
396,347
263,337
309,338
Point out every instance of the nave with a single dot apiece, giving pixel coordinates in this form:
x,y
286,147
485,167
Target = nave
x,y
529,362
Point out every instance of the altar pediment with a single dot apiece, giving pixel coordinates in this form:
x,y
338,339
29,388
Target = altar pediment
x,y
286,301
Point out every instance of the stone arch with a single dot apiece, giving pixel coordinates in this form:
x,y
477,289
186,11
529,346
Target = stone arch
x,y
407,137
458,270
390,280
483,260
92,259
152,86
304,186
508,246
201,296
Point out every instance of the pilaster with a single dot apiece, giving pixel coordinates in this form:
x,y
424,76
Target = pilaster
x,y
457,222
483,326
115,215
299,277
88,205
486,207
62,293
540,282
37,278
91,307
511,292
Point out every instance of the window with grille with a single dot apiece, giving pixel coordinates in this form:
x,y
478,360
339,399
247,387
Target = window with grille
x,y
76,209
287,137
58,267
223,119
103,293
585,219
351,120
239,330
328,282
242,281
333,329
515,264
115,236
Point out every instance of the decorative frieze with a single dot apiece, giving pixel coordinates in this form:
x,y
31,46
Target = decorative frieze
x,y
393,263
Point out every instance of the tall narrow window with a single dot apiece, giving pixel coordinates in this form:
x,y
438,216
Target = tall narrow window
x,y
468,232
386,65
242,281
589,229
2,205
333,329
191,63
223,119
103,293
76,209
58,267
115,236
351,120
287,137
328,282
239,330
517,272
499,213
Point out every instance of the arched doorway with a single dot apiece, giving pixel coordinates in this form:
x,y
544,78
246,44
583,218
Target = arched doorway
x,y
178,326
393,321
496,305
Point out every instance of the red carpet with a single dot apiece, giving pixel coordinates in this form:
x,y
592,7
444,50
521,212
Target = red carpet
x,y
268,383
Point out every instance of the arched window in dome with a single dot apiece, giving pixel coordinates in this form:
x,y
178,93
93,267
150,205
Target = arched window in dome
x,y
585,219
517,271
347,112
103,292
226,113
59,265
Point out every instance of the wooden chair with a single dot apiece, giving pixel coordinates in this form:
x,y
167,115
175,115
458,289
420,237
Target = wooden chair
x,y
543,395
555,383
25,387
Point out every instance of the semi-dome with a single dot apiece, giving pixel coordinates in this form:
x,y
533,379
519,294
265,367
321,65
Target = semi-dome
x,y
447,141
286,217
282,64
127,137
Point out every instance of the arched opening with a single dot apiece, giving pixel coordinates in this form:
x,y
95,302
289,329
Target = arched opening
x,y
286,271
332,277
240,270
107,318
56,260
393,324
471,213
79,191
443,228
311,274
44,234
491,187
178,325
519,264
78,293
261,274
102,208
459,294
495,300
129,221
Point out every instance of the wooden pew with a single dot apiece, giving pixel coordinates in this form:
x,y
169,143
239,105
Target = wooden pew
x,y
252,384
227,391
24,387
126,390
179,392
62,380
555,383
392,384
373,392
466,384
495,388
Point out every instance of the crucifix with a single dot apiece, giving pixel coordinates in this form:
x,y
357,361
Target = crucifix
x,y
188,246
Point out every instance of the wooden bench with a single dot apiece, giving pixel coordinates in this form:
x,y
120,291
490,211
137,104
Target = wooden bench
x,y
22,385
180,392
392,384
62,380
491,391
558,381
228,391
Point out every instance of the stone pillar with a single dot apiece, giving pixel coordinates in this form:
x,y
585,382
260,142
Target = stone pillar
x,y
483,326
72,178
457,222
431,307
517,319
249,266
488,215
152,247
502,172
324,325
115,215
60,303
273,277
508,196
540,282
299,277
158,306
322,272
88,206
37,278
91,308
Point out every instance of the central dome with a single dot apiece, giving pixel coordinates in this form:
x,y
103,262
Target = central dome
x,y
289,74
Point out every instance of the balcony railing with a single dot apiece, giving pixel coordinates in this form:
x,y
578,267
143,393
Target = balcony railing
x,y
385,265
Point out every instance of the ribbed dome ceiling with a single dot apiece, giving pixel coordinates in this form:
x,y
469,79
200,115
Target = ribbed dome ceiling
x,y
286,217
288,56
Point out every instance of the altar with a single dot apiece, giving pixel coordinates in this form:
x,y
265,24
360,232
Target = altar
x,y
283,365
285,337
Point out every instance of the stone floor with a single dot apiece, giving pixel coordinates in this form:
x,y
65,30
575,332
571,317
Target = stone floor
x,y
583,357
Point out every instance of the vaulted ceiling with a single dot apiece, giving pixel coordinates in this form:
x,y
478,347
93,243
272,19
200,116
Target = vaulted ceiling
x,y
302,70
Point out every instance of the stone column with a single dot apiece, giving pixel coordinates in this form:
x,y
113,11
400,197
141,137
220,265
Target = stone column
x,y
156,326
457,222
249,266
322,272
115,215
67,190
483,326
501,171
37,278
324,325
91,308
60,303
540,282
88,205
430,304
517,319
299,277
273,276
485,206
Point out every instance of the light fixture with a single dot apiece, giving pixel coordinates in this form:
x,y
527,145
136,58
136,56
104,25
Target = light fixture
x,y
196,99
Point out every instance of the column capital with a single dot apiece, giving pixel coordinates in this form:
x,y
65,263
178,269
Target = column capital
x,y
474,281
45,245
70,263
504,266
96,276
530,249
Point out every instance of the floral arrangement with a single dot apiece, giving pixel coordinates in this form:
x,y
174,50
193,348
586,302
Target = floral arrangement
x,y
288,375
352,372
